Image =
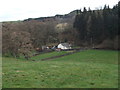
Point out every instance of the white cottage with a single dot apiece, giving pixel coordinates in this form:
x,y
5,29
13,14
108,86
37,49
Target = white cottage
x,y
64,46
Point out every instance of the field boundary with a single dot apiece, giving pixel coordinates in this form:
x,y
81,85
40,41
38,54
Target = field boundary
x,y
53,57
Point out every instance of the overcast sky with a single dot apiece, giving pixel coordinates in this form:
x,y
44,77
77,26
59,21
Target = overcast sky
x,y
11,10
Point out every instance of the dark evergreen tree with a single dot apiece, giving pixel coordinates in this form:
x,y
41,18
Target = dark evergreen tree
x,y
96,26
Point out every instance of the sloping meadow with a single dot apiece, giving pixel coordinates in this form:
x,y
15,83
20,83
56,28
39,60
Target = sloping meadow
x,y
86,69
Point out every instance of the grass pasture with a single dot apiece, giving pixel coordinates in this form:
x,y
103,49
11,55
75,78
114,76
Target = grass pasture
x,y
47,55
86,69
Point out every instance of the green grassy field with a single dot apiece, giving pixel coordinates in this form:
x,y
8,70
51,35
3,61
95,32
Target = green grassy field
x,y
47,55
86,69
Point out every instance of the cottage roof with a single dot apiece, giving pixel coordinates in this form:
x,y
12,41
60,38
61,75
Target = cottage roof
x,y
65,44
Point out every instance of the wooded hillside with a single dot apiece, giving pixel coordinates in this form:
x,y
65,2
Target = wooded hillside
x,y
96,27
87,28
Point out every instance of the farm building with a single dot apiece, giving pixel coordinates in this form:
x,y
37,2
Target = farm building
x,y
64,46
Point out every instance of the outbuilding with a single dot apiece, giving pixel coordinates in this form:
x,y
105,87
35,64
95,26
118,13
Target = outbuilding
x,y
64,46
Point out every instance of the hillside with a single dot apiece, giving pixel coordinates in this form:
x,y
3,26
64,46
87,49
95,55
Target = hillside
x,y
76,50
87,28
58,18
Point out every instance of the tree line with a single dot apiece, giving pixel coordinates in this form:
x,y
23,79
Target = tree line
x,y
22,38
90,28
95,26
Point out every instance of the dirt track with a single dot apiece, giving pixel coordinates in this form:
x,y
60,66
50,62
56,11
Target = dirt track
x,y
76,50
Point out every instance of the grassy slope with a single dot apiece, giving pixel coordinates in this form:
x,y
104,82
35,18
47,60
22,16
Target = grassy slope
x,y
87,69
94,56
47,55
